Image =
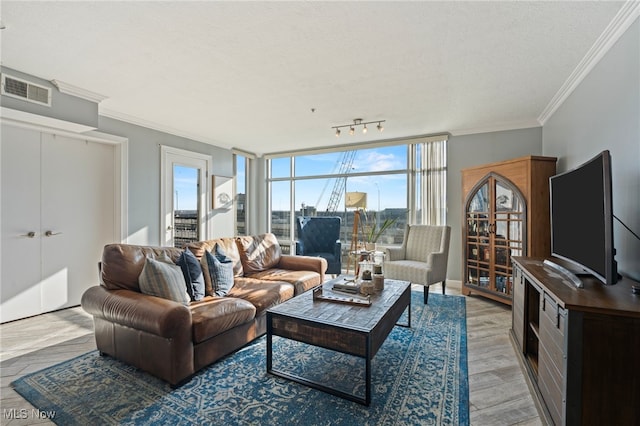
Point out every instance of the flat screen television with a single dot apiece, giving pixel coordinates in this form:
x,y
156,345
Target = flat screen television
x,y
582,218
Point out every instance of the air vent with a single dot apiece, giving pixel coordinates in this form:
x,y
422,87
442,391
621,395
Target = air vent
x,y
25,90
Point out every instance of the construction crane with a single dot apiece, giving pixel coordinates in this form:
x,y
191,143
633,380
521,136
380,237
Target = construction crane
x,y
338,187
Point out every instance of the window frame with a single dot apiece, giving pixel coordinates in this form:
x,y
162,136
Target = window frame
x,y
417,175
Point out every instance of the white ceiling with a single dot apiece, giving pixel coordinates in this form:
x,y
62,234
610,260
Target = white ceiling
x,y
248,74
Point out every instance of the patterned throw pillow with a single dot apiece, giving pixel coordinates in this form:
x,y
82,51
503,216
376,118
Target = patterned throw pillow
x,y
163,280
221,270
192,274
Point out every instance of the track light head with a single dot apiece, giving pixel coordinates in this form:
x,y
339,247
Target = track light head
x,y
358,122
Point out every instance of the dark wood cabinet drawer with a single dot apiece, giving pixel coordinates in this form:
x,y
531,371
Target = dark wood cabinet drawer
x,y
552,332
551,386
551,363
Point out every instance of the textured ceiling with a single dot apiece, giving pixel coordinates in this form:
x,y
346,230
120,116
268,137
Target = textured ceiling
x,y
248,74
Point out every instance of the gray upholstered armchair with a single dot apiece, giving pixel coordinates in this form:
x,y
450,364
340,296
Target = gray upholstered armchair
x,y
422,258
320,236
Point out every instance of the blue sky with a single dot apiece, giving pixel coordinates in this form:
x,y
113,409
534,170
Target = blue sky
x,y
185,186
385,191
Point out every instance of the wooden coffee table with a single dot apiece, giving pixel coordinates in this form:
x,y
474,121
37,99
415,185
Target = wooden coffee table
x,y
354,330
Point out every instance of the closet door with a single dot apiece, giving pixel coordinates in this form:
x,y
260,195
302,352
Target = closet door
x,y
20,251
77,216
61,190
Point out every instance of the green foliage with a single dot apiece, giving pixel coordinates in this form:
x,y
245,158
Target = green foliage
x,y
370,230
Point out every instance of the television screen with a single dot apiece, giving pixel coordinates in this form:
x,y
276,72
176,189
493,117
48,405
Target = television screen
x,y
582,218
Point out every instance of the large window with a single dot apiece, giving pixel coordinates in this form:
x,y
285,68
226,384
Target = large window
x,y
402,183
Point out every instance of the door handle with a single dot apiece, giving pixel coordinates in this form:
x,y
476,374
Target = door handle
x,y
51,233
29,234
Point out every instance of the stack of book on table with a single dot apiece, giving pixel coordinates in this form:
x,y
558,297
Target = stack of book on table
x,y
347,285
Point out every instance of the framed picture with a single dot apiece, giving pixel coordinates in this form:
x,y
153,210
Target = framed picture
x,y
222,192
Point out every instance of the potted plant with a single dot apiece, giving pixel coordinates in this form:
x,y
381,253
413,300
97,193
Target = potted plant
x,y
371,231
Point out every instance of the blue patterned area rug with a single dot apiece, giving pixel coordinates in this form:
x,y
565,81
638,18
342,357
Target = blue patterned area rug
x,y
419,376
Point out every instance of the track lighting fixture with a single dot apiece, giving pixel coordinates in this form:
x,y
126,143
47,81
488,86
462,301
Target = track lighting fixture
x,y
359,122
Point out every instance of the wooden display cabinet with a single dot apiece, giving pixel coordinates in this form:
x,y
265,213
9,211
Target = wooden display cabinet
x,y
506,213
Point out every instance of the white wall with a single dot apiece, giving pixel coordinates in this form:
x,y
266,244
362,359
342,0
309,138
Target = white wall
x,y
144,179
604,113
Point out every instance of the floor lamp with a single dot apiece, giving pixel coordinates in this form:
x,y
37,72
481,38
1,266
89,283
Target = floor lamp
x,y
357,200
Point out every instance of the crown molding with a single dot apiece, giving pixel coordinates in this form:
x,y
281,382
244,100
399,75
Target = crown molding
x,y
616,28
78,92
519,125
41,122
116,115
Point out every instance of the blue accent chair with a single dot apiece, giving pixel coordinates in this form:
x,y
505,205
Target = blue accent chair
x,y
320,236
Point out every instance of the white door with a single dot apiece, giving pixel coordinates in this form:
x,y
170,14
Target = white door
x,y
77,216
20,251
63,190
185,196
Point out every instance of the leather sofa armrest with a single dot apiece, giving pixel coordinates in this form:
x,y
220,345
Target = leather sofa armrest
x,y
394,253
304,263
152,314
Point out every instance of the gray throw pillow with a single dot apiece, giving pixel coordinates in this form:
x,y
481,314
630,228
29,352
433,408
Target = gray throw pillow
x,y
163,280
221,270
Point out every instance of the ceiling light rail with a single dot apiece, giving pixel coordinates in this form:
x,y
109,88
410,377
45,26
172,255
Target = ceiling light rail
x,y
359,122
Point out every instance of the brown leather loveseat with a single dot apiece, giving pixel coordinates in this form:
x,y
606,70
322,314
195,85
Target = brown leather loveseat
x,y
173,340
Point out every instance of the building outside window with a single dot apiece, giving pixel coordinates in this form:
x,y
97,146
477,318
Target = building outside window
x,y
185,205
402,183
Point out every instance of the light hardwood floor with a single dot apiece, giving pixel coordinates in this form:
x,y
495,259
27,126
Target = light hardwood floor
x,y
498,392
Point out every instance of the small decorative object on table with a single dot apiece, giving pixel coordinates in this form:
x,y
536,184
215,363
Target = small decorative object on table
x,y
349,300
367,287
378,278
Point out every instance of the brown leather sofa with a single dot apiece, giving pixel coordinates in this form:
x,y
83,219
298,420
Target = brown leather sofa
x,y
172,340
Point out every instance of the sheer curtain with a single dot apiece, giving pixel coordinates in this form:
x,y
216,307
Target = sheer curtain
x,y
434,182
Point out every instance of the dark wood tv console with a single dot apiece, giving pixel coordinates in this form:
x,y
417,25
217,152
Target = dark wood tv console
x,y
580,346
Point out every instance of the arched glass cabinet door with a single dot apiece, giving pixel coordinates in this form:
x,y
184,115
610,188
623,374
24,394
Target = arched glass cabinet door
x,y
495,230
